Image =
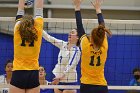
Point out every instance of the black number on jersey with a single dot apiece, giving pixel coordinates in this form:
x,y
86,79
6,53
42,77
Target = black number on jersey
x,y
30,45
5,91
92,61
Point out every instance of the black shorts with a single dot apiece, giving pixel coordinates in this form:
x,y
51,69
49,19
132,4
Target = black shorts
x,y
25,79
87,88
62,83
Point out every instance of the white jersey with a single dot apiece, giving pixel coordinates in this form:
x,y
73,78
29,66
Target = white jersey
x,y
3,81
67,59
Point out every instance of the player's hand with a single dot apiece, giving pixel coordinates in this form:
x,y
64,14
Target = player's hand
x,y
77,4
97,5
55,81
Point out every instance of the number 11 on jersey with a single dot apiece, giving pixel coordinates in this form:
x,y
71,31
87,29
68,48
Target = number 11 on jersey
x,y
92,61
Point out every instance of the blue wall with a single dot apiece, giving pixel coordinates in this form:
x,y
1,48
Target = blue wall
x,y
123,57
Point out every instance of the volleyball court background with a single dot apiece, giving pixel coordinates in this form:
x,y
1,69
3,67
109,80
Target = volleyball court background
x,y
123,54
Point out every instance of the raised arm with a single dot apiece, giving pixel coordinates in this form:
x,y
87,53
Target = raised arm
x,y
57,42
20,11
97,6
80,28
39,8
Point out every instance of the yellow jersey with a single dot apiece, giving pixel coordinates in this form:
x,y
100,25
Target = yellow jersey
x,y
26,57
93,62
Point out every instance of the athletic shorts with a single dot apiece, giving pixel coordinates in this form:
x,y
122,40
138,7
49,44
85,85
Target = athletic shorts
x,y
25,79
87,88
62,83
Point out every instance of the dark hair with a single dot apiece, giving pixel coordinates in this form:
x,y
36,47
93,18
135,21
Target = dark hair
x,y
8,61
27,29
136,70
44,69
78,41
98,35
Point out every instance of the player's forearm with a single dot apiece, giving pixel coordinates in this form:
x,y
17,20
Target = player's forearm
x,y
39,4
21,4
57,42
100,19
80,28
98,10
39,8
77,8
20,11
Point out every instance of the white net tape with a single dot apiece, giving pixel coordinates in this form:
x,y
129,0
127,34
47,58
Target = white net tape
x,y
73,20
78,87
61,25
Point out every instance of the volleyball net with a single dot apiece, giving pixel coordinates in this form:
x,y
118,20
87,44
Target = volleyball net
x,y
4,88
123,53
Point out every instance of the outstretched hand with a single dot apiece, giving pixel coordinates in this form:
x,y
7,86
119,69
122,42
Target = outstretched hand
x,y
77,4
55,81
97,5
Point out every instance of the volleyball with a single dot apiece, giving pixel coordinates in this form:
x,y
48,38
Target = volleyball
x,y
29,3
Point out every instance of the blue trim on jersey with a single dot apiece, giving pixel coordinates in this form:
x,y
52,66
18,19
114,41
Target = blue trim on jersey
x,y
74,55
100,19
18,17
61,58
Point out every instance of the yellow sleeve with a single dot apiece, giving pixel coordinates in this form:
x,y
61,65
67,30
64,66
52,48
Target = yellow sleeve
x,y
85,44
39,24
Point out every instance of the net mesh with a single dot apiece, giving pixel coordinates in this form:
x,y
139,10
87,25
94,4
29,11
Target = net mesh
x,y
123,54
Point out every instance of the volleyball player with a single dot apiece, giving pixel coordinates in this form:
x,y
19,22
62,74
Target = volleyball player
x,y
42,76
68,58
42,79
6,78
27,42
94,52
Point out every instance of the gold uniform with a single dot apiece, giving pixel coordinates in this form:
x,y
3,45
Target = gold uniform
x,y
93,62
26,54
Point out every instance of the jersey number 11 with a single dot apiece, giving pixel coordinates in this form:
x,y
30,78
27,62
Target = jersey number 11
x,y
92,61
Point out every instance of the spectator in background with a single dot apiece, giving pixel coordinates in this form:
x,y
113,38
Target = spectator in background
x,y
42,79
42,76
6,78
136,80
